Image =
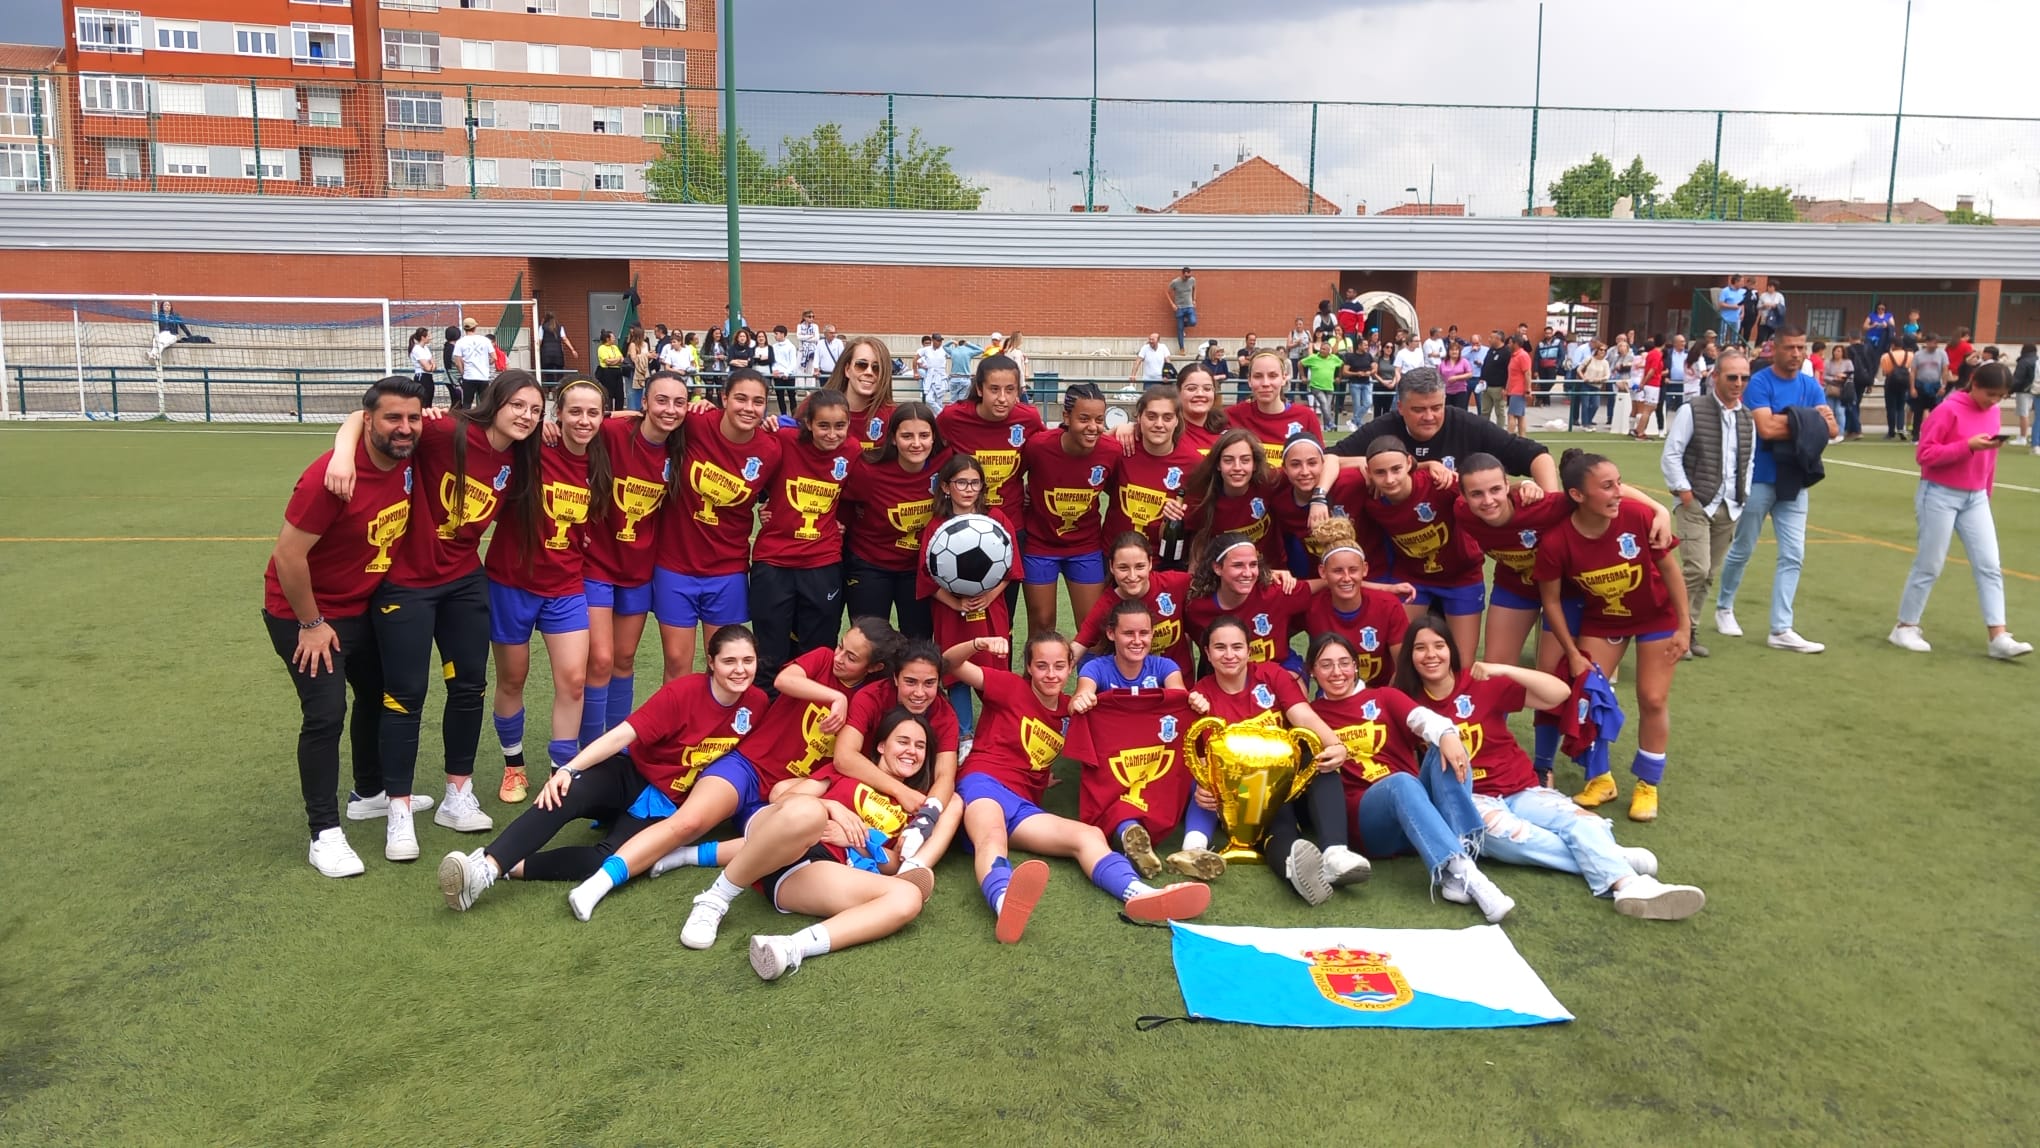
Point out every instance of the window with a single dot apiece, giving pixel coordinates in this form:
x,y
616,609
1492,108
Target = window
x,y
662,14
608,177
180,99
177,35
606,9
408,5
1824,322
605,62
268,163
326,44
661,122
543,7
665,67
322,109
265,103
408,48
329,169
255,41
328,3
101,30
545,173
485,113
123,161
22,100
609,121
183,160
414,110
412,168
545,117
20,168
484,172
478,54
543,58
478,5
114,95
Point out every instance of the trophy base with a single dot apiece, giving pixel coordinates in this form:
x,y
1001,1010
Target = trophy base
x,y
1238,854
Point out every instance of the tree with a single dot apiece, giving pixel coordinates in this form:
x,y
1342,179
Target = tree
x,y
1965,213
1703,197
1589,190
820,169
690,170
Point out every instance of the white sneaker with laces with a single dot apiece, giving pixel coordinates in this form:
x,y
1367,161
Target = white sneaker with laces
x,y
1725,623
400,836
1640,860
332,856
773,957
2006,647
1790,640
361,808
703,921
1490,900
463,877
462,811
1909,638
1651,900
1343,866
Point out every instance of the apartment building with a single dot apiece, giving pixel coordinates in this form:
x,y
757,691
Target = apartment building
x,y
31,158
536,98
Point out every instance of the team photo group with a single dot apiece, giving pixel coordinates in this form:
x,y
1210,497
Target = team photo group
x,y
849,687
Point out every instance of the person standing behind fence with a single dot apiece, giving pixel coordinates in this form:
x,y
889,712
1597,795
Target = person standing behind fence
x,y
449,340
1957,454
609,370
1149,359
827,351
553,349
477,359
1710,448
1929,374
1896,366
637,359
1728,305
785,368
807,336
421,360
1494,378
1182,295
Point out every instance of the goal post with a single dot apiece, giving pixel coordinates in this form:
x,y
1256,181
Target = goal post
x,y
512,322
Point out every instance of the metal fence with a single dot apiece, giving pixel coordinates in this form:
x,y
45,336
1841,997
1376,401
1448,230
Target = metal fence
x,y
410,136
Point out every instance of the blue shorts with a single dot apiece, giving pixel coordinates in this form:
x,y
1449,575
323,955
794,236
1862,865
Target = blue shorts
x,y
1292,661
1574,610
972,786
1082,569
685,600
1453,601
513,613
737,769
629,601
1652,636
1507,599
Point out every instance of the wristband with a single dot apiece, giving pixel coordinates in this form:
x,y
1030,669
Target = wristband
x,y
314,624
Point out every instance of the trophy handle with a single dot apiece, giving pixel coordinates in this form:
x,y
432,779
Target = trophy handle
x,y
1195,754
1308,746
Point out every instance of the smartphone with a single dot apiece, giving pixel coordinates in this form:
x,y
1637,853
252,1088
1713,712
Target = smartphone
x,y
2001,438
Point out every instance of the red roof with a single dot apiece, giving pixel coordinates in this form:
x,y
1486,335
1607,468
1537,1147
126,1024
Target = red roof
x,y
29,57
1452,209
1255,187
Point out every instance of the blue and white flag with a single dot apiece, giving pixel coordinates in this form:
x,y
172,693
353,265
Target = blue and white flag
x,y
1343,977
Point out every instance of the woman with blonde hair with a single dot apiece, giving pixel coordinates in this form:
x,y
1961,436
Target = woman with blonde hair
x,y
864,376
637,359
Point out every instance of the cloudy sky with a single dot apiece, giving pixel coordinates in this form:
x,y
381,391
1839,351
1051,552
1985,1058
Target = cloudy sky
x,y
1836,56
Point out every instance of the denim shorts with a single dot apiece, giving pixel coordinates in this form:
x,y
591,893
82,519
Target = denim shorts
x,y
513,613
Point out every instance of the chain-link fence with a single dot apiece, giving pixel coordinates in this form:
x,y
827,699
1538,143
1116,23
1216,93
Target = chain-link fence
x,y
653,137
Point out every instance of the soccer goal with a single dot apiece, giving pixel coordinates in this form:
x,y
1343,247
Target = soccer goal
x,y
222,358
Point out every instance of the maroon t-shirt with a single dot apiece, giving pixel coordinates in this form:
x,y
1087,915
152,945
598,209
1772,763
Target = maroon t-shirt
x,y
1481,712
446,538
356,537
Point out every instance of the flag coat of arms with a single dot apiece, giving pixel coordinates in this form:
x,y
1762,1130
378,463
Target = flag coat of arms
x,y
1343,977
1131,747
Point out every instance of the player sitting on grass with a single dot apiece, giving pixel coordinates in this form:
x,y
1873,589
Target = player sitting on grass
x,y
825,848
1131,630
1021,734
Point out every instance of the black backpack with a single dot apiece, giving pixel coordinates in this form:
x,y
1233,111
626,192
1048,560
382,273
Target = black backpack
x,y
1901,374
2022,375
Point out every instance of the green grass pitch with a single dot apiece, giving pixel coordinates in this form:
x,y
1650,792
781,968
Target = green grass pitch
x,y
171,971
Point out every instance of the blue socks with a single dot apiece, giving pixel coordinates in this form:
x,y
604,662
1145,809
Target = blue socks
x,y
1648,766
1198,819
1116,875
510,735
622,690
995,882
1546,752
561,750
594,710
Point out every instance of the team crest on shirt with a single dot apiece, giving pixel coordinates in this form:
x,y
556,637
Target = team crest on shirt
x,y
742,721
1097,476
502,479
1263,696
1451,462
1165,605
1625,545
840,468
1462,707
1168,730
1262,626
1584,706
1370,710
1528,538
666,474
1016,435
752,465
1425,513
1257,508
1370,639
1172,479
1292,428
1149,683
875,428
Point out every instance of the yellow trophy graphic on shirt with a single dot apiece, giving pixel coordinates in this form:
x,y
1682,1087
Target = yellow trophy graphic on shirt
x,y
1041,743
1424,543
1363,744
1136,769
717,487
998,465
384,531
479,504
567,506
1142,504
698,758
1611,584
811,498
877,810
821,745
1070,504
1471,735
909,518
636,498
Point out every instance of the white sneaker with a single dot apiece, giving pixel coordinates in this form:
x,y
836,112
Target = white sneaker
x,y
1790,640
462,811
463,876
1465,884
773,957
1725,623
361,808
702,922
400,836
1641,860
332,856
963,750
1647,898
1343,866
1306,872
1909,638
2007,647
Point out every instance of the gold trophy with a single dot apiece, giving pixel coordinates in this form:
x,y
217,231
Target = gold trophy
x,y
567,506
1071,504
384,531
1136,769
1424,543
717,487
636,498
810,498
479,503
1610,584
909,518
1252,771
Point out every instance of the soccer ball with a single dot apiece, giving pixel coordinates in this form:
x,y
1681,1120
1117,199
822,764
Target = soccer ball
x,y
970,554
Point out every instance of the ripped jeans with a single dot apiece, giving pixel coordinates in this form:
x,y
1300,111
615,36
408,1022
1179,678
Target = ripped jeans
x,y
1541,826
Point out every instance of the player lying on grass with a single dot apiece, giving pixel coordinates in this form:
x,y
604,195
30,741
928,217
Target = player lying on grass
x,y
826,847
1021,729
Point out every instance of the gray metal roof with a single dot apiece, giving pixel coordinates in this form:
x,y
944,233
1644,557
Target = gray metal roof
x,y
567,229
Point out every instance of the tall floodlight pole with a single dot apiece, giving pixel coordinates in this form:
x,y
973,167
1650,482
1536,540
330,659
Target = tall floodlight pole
x,y
1536,105
1091,164
1898,121
729,158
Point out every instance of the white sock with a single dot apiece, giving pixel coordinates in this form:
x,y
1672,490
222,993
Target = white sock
x,y
679,858
999,905
726,892
589,893
1456,868
911,863
1194,840
1136,889
1289,867
812,941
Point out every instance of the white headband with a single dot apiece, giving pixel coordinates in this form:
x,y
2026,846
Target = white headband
x,y
1345,546
1230,549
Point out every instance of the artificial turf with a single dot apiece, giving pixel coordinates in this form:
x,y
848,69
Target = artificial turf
x,y
171,970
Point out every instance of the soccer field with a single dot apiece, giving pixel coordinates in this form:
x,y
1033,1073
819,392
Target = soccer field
x,y
173,972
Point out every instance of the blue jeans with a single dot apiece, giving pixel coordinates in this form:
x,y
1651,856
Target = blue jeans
x,y
1186,318
1945,511
1541,826
959,700
1788,522
1432,813
1363,402
1731,329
